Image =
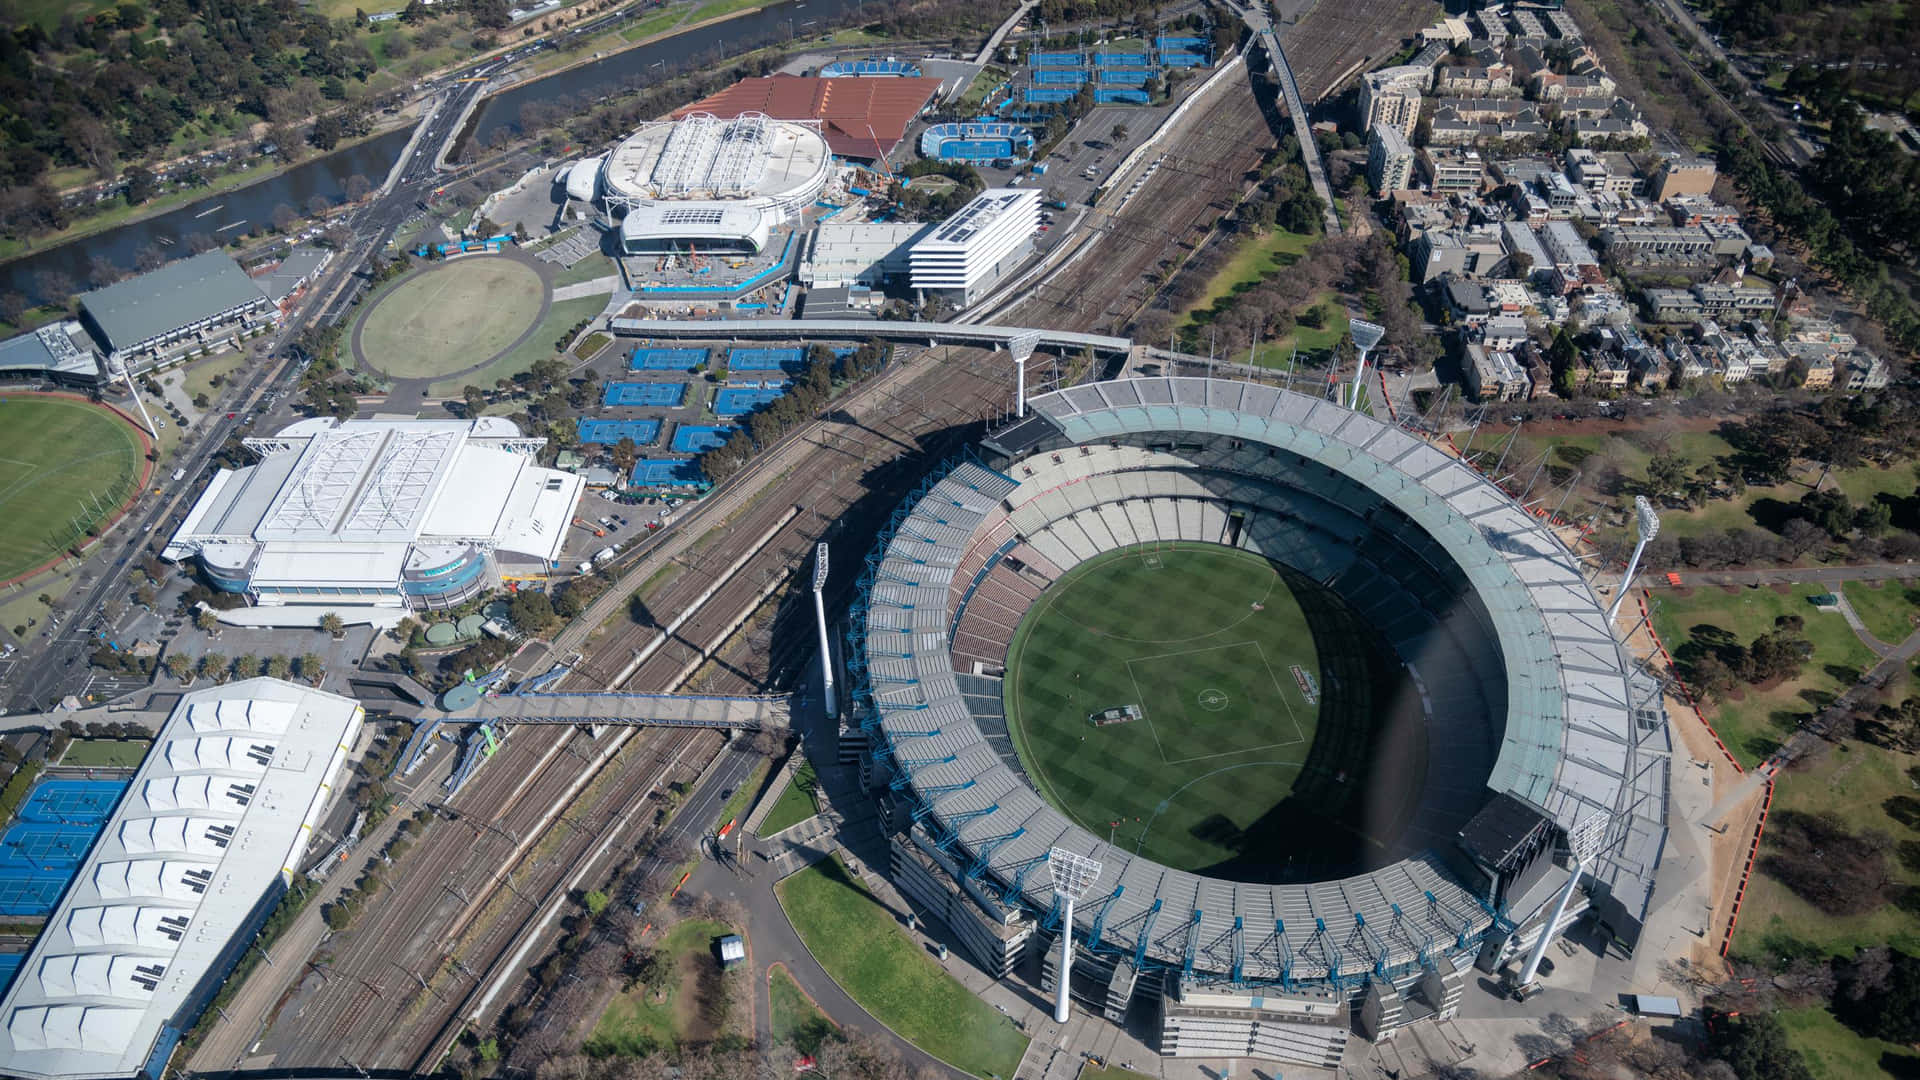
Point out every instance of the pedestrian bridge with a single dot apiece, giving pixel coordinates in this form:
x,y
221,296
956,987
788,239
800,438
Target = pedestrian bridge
x,y
933,333
743,712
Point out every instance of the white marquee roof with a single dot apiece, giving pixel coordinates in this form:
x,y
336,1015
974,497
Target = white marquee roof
x,y
218,814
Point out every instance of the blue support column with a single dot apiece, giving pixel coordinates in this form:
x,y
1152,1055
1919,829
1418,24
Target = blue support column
x,y
1146,928
1239,952
1192,946
1017,888
984,849
1100,917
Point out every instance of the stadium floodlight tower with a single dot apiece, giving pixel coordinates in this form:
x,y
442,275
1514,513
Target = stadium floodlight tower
x,y
1583,842
1073,874
1021,347
820,622
1647,524
1365,336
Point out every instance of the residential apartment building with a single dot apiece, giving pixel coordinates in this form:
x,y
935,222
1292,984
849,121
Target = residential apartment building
x,y
1446,170
1473,81
1392,96
1866,371
1390,159
1679,176
1494,374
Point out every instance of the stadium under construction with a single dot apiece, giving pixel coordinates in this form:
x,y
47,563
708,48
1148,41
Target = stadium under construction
x,y
1541,797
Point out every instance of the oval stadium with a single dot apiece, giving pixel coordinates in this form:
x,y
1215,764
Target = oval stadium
x,y
707,183
1322,703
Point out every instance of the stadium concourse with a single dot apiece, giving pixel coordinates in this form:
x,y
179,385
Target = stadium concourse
x,y
1535,719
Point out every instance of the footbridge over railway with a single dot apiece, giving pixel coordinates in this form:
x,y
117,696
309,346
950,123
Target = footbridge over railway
x,y
1256,18
932,333
743,712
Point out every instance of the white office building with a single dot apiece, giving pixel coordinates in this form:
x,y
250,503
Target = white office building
x,y
976,247
196,856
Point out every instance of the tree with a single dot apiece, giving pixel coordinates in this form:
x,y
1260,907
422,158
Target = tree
x,y
141,185
532,612
1879,994
358,187
475,399
625,454
279,667
13,307
311,668
179,666
284,218
1756,1047
333,624
213,666
1119,132
246,666
596,902
205,621
1666,473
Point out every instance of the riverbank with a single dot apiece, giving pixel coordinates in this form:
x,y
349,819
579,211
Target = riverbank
x,y
12,248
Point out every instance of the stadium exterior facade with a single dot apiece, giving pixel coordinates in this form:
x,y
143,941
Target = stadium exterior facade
x,y
1536,718
376,517
193,861
701,182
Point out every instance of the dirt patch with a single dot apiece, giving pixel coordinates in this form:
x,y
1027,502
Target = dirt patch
x,y
692,1011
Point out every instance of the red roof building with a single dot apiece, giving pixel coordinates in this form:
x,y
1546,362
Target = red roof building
x,y
861,118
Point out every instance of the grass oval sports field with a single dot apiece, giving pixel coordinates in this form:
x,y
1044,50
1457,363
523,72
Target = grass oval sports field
x,y
64,465
451,317
1213,649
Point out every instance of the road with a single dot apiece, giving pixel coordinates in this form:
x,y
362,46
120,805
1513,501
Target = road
x,y
1785,575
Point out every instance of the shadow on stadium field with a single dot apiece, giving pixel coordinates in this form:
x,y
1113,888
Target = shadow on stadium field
x,y
1277,738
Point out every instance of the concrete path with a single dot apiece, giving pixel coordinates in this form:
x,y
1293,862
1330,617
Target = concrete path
x,y
1845,608
1783,575
1000,35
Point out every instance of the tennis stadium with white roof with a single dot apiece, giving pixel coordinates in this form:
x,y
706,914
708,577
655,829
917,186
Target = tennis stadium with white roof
x,y
380,514
194,859
1532,709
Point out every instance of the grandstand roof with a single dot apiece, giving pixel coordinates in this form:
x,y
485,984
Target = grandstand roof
x,y
61,348
701,157
861,118
161,301
217,817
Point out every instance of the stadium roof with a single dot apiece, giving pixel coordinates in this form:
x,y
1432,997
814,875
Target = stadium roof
x,y
178,294
61,348
861,118
217,818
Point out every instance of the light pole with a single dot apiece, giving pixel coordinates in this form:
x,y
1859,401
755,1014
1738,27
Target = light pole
x,y
1647,523
1073,874
1583,842
1365,336
1021,348
820,623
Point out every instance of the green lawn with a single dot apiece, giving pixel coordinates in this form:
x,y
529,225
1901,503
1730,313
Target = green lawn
x,y
794,1017
1253,260
451,316
893,977
63,464
742,797
1308,339
1226,729
796,803
561,317
989,79
654,24
200,375
635,1024
1860,784
105,753
1753,725
713,9
1836,1052
1887,607
591,268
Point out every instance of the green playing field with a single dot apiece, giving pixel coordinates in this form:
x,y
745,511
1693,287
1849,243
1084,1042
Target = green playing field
x,y
1212,648
64,464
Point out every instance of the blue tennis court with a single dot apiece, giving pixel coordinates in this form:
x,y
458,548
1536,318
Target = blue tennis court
x,y
608,432
694,438
1120,59
1112,76
1113,95
1176,59
1047,95
1060,77
72,802
666,359
668,395
9,964
667,472
764,359
741,400
1058,59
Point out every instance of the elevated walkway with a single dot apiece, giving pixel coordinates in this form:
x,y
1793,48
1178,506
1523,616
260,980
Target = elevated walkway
x,y
746,712
934,333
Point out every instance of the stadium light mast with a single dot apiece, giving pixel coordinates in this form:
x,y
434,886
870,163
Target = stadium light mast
x,y
1647,524
1073,874
1583,841
1021,347
117,366
820,623
1365,336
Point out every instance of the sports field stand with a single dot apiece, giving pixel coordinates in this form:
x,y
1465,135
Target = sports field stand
x,y
741,400
791,360
695,438
608,432
662,395
646,359
667,472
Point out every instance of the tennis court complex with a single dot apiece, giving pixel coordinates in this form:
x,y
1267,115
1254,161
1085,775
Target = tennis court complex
x,y
666,359
58,823
694,438
608,432
741,400
666,395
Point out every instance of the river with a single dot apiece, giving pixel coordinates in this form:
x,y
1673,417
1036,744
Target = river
x,y
220,216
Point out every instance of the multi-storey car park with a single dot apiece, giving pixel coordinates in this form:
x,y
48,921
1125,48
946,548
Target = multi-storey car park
x,y
1536,720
